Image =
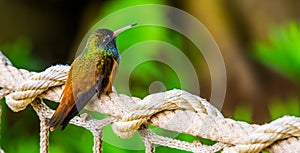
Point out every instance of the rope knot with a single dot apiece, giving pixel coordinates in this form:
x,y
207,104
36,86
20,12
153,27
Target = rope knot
x,y
152,104
37,83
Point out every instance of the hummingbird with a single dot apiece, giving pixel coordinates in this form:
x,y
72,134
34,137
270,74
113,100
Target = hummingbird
x,y
91,73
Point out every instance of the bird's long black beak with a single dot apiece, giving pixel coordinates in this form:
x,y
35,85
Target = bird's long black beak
x,y
123,29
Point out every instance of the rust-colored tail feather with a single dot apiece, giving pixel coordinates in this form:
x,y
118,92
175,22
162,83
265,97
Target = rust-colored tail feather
x,y
79,105
58,117
68,109
67,102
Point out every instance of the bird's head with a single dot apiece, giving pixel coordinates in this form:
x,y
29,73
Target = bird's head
x,y
105,39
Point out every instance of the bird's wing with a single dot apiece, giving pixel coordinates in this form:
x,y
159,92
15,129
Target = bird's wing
x,y
80,83
100,83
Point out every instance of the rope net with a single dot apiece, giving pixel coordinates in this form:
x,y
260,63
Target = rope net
x,y
174,110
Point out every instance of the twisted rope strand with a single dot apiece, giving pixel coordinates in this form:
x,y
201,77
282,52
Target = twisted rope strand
x,y
98,142
44,135
198,147
1,151
37,84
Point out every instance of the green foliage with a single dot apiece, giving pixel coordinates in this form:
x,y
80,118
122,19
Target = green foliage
x,y
72,139
25,145
243,113
282,52
19,53
279,108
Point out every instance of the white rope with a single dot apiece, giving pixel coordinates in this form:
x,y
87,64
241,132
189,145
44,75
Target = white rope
x,y
27,91
44,135
152,138
98,142
1,151
174,110
155,103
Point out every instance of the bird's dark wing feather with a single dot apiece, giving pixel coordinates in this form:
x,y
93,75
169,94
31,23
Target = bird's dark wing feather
x,y
106,75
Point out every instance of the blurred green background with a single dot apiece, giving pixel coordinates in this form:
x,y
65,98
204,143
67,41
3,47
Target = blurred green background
x,y
259,41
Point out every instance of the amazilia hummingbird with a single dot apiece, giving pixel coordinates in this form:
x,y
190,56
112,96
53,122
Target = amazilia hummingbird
x,y
91,73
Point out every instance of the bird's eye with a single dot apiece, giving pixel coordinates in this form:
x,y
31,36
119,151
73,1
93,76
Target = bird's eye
x,y
106,39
